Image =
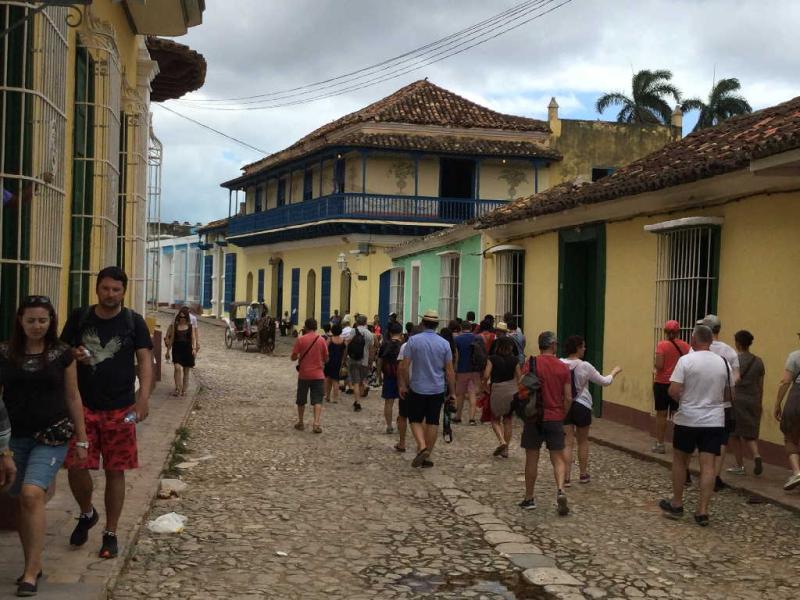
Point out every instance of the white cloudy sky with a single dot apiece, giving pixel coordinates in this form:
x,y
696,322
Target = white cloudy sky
x,y
575,53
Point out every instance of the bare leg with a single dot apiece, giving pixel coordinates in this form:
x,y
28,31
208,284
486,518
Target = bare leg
x,y
335,391
569,441
328,388
431,434
32,528
752,445
738,450
186,372
178,372
459,406
661,426
402,425
508,429
473,402
582,433
388,408
707,475
531,471
559,467
719,461
115,498
793,453
418,431
317,414
301,411
497,427
680,462
80,482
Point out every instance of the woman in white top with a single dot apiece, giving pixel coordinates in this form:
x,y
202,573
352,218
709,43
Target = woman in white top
x,y
579,417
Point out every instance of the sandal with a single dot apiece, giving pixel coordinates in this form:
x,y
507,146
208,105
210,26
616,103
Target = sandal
x,y
175,393
317,429
500,449
21,578
299,426
399,448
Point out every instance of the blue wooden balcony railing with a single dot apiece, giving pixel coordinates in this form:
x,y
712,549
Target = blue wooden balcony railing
x,y
369,207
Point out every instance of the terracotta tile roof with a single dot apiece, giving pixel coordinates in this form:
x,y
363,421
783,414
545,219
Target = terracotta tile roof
x,y
211,225
450,144
714,151
180,69
419,103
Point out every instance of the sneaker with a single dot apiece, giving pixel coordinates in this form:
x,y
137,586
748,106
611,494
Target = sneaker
x,y
81,532
500,449
390,430
427,464
473,422
737,470
561,502
26,590
109,548
585,478
673,512
527,504
356,406
658,449
792,482
719,484
758,469
701,520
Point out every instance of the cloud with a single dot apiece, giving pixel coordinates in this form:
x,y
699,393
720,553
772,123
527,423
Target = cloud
x,y
576,53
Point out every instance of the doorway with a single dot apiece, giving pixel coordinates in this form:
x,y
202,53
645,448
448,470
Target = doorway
x,y
415,294
384,289
311,295
581,294
456,180
345,282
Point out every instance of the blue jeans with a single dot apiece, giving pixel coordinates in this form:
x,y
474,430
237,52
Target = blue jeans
x,y
37,464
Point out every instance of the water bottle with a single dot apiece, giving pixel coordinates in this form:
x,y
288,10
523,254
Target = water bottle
x,y
130,417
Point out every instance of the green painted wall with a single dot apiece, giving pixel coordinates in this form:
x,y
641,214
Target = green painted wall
x,y
430,271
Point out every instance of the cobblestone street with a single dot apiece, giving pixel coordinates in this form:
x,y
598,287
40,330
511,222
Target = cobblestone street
x,y
277,513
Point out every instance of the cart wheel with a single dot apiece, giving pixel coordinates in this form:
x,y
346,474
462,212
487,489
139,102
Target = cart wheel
x,y
228,338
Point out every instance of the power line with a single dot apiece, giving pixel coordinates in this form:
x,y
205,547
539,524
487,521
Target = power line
x,y
396,59
469,43
203,125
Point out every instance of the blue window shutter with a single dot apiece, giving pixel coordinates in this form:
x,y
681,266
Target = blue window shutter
x,y
326,295
260,297
295,294
208,275
230,279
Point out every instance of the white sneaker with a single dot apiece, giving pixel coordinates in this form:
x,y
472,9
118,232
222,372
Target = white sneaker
x,y
792,482
658,449
736,470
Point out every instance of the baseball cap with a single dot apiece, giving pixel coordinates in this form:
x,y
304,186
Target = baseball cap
x,y
672,325
710,321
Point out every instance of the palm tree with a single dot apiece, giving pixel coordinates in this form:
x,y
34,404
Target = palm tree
x,y
648,104
722,104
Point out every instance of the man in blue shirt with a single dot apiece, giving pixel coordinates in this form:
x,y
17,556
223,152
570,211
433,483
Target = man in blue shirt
x,y
468,381
429,360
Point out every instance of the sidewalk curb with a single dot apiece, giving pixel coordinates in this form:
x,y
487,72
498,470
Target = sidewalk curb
x,y
665,462
136,528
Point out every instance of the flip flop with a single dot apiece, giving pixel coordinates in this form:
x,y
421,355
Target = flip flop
x,y
317,429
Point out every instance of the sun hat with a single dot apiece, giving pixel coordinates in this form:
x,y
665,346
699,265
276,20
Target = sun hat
x,y
431,316
501,326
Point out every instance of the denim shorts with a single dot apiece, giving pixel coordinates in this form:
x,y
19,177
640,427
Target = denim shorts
x,y
36,463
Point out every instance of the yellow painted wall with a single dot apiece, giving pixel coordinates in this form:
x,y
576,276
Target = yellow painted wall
x,y
506,181
759,255
364,296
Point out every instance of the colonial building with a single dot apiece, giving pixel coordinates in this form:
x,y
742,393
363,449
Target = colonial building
x,y
445,269
75,90
708,224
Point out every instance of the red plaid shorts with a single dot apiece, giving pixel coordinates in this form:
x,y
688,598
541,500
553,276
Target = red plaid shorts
x,y
110,437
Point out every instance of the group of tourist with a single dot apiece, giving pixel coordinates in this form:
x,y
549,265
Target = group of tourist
x,y
71,400
710,391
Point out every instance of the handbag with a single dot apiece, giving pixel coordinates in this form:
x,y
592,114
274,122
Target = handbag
x,y
310,346
57,434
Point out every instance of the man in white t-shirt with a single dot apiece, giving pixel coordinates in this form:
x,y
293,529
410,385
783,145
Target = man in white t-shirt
x,y
698,385
725,351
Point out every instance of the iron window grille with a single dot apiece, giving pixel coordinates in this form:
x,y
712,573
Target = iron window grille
x,y
153,208
33,59
448,287
510,284
397,287
687,270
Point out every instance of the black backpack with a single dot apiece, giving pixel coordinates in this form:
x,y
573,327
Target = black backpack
x,y
355,349
478,357
527,402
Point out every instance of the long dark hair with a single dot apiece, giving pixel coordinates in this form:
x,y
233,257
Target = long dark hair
x,y
184,310
16,345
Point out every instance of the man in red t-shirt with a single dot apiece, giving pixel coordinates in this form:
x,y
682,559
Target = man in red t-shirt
x,y
668,351
556,390
311,353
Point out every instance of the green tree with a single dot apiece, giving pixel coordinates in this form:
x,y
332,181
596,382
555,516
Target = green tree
x,y
723,103
647,103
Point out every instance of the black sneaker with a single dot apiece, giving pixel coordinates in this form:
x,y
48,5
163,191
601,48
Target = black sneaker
x,y
561,502
673,512
26,590
527,504
758,469
109,548
427,464
356,406
81,532
719,484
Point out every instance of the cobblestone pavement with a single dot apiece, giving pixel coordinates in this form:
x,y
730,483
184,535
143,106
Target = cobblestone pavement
x,y
277,513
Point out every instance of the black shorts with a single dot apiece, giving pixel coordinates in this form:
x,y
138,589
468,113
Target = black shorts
x,y
424,407
663,399
730,425
313,387
578,415
549,432
402,407
703,439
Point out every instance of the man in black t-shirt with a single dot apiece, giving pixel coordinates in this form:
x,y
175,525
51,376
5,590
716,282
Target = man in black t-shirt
x,y
108,340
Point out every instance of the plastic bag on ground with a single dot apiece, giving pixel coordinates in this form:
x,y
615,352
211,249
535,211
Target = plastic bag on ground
x,y
168,523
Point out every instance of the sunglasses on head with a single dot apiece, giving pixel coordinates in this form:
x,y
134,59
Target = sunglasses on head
x,y
28,300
